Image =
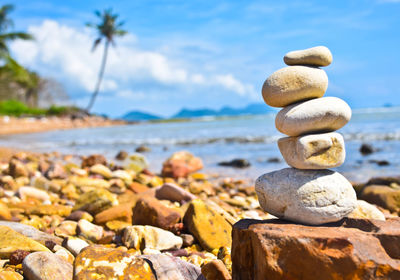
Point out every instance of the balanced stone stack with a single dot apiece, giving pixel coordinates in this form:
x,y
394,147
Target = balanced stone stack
x,y
308,192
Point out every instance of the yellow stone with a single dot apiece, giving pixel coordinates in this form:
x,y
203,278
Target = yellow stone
x,y
11,240
210,228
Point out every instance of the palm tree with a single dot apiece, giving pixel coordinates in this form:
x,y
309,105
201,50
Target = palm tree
x,y
5,24
108,28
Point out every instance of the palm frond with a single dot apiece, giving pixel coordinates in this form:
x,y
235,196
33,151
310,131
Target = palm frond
x,y
96,43
16,35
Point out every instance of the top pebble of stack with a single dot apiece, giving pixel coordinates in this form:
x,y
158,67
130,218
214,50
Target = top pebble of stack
x,y
301,80
316,56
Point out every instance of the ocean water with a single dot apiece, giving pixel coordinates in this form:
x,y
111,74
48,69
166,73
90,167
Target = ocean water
x,y
215,140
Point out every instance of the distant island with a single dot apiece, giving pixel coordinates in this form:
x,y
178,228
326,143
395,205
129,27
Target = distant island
x,y
251,109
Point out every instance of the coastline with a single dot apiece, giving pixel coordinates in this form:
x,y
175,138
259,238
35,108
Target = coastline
x,y
12,125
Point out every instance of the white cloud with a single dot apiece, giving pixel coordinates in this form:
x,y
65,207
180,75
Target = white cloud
x,y
63,52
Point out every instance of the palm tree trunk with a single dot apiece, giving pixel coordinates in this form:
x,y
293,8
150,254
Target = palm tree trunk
x,y
100,78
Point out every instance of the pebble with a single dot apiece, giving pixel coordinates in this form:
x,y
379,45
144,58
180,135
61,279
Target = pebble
x,y
173,193
313,116
294,84
364,210
215,270
75,245
46,266
149,237
314,151
317,56
95,201
25,192
90,231
306,196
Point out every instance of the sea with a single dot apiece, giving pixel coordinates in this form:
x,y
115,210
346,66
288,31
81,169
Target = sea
x,y
215,140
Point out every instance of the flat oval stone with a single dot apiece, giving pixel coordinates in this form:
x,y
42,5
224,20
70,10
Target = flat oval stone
x,y
314,151
317,56
317,115
306,196
293,84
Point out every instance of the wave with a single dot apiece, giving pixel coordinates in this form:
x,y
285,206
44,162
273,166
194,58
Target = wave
x,y
271,139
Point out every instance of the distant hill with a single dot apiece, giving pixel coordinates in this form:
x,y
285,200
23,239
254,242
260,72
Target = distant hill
x,y
140,116
251,109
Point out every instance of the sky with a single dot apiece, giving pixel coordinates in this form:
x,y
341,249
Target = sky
x,y
210,53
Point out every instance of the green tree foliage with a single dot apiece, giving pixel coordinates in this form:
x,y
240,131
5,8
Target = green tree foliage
x,y
5,35
108,29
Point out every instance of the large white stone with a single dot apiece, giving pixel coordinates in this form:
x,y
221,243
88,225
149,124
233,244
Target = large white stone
x,y
318,56
293,84
306,196
313,116
314,151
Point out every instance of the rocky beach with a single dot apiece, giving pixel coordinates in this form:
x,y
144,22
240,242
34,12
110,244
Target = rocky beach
x,y
86,217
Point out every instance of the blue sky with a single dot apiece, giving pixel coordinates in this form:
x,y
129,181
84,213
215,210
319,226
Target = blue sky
x,y
211,53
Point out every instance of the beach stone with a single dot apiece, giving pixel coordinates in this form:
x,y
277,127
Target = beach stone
x,y
88,182
236,163
63,252
10,275
122,155
366,149
207,226
138,188
77,215
188,239
121,212
364,210
66,228
168,267
149,237
11,241
55,171
172,192
306,196
293,84
312,116
5,213
42,210
32,232
317,56
75,245
102,170
17,169
215,270
136,163
25,192
314,151
181,164
46,266
98,262
90,231
18,256
95,201
150,211
350,249
381,195
93,160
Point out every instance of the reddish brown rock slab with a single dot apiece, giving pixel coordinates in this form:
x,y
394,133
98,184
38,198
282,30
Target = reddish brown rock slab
x,y
150,211
350,249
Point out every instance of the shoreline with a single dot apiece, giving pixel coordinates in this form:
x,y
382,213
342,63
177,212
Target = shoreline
x,y
13,125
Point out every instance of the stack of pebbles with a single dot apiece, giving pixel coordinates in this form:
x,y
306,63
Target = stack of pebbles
x,y
308,192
